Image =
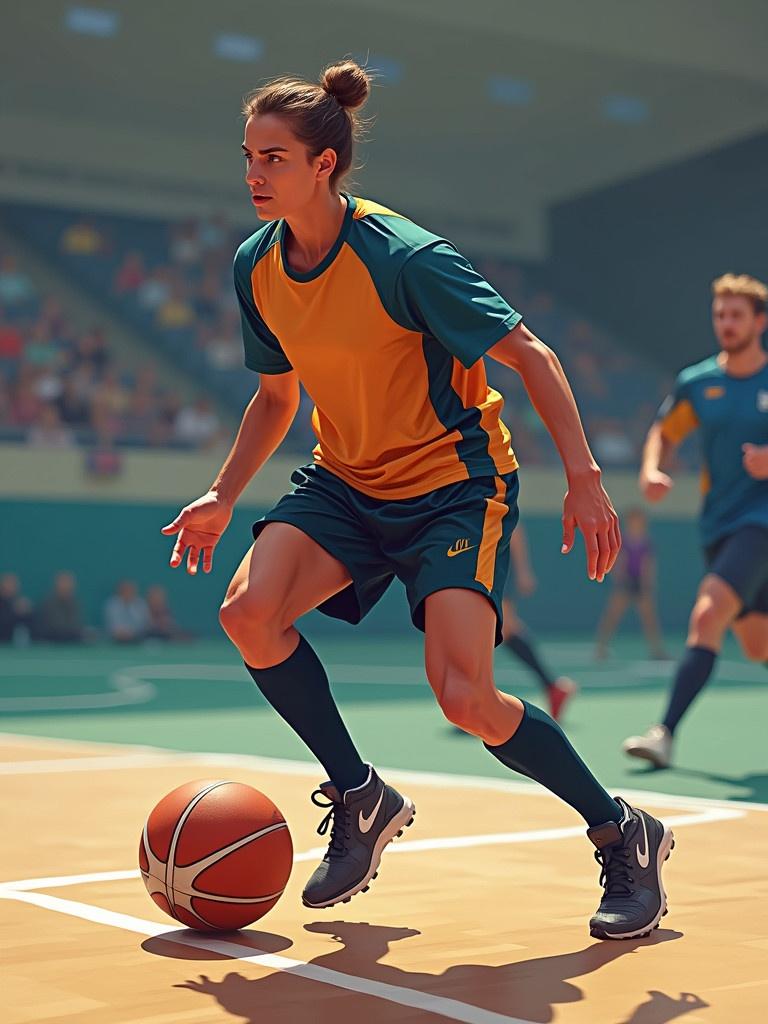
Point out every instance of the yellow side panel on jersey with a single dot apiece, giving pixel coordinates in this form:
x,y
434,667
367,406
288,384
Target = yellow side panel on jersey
x,y
472,388
679,422
495,510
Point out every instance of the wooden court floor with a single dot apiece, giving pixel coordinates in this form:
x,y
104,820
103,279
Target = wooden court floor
x,y
479,913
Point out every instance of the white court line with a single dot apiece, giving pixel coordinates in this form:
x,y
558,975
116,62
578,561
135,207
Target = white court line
x,y
539,835
450,1008
281,766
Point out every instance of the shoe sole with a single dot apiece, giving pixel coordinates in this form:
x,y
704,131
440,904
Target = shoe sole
x,y
666,846
644,754
394,828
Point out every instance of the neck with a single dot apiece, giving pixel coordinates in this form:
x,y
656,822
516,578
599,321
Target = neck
x,y
313,230
751,359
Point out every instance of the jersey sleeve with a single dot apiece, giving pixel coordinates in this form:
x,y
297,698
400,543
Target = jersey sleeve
x,y
677,416
442,295
263,351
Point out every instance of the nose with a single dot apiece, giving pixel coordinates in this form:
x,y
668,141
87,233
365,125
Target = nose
x,y
252,177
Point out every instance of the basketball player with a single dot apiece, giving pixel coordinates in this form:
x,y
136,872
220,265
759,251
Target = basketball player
x,y
386,324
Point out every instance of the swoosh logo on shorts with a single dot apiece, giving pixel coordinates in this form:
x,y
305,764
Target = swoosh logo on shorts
x,y
365,823
642,858
459,547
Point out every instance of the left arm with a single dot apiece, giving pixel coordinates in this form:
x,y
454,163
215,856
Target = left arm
x,y
586,506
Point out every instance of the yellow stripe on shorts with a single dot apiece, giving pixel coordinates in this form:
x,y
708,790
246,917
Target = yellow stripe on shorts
x,y
495,510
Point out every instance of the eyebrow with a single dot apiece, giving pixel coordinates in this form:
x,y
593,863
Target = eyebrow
x,y
266,152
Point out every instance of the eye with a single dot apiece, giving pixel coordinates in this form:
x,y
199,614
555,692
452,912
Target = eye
x,y
273,158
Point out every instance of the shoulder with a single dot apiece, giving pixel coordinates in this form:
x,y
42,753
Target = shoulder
x,y
707,371
380,233
255,247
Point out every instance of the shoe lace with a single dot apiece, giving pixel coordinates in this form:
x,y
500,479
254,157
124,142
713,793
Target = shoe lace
x,y
338,819
615,874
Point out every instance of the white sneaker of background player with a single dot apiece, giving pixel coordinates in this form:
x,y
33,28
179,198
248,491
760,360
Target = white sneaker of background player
x,y
655,746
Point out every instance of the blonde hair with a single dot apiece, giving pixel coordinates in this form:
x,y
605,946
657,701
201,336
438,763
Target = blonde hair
x,y
321,115
742,284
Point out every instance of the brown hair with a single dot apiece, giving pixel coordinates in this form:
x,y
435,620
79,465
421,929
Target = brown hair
x,y
742,284
321,116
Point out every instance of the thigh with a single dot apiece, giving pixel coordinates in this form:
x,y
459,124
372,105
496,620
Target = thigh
x,y
456,537
460,631
289,569
751,630
741,561
326,510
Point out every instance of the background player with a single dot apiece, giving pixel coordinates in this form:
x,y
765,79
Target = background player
x,y
517,637
726,398
634,582
385,325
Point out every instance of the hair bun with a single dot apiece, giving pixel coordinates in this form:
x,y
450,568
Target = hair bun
x,y
348,83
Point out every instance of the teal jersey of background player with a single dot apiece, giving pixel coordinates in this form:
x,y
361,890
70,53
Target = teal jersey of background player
x,y
728,412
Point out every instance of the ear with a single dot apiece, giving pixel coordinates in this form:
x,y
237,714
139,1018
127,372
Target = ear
x,y
325,164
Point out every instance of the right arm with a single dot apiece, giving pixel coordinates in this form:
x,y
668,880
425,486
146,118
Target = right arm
x,y
654,482
676,419
266,421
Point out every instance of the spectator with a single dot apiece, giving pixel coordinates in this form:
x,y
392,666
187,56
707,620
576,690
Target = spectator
x,y
59,618
131,274
162,625
15,609
82,238
92,351
197,425
11,342
16,287
175,313
73,408
126,617
49,431
185,245
155,290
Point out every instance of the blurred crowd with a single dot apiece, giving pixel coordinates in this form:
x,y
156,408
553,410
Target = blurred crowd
x,y
174,283
128,616
60,386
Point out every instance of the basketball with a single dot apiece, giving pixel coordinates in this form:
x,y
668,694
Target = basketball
x,y
215,855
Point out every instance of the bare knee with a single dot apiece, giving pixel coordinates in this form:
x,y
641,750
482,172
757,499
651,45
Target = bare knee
x,y
708,621
460,703
252,622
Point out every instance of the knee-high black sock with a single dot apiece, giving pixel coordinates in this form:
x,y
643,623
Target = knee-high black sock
x,y
694,670
298,690
541,750
522,649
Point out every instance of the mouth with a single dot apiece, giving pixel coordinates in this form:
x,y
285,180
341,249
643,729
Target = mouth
x,y
258,199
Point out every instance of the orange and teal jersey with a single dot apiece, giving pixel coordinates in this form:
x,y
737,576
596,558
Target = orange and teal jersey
x,y
729,412
387,336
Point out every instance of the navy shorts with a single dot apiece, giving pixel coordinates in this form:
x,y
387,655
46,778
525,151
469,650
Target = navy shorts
x,y
741,559
454,536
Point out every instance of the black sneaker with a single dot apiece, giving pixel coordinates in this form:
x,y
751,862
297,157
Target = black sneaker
x,y
362,823
631,855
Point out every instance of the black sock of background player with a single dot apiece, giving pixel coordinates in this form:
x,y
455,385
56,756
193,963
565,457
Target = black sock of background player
x,y
299,691
521,648
694,670
541,750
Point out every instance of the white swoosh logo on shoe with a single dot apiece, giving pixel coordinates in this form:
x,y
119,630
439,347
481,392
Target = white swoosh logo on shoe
x,y
642,858
366,822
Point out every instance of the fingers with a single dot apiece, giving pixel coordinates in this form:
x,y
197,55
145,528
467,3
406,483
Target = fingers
x,y
193,558
615,543
569,533
178,552
177,523
207,559
592,544
604,552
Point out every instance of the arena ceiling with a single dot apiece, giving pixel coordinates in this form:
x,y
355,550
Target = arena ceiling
x,y
486,112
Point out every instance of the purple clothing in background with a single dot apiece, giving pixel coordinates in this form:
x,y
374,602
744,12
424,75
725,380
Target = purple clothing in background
x,y
635,555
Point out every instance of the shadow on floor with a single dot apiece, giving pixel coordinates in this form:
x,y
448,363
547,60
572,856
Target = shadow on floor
x,y
528,989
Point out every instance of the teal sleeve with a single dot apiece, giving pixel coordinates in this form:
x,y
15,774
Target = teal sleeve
x,y
442,295
263,351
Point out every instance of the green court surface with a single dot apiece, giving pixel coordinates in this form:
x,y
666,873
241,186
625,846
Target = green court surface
x,y
198,697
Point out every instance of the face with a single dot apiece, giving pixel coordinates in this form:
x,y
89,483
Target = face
x,y
280,173
736,324
127,590
65,584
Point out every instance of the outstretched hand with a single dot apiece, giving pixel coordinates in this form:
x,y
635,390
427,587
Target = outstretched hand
x,y
199,526
588,507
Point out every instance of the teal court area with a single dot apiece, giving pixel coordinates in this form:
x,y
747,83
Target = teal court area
x,y
198,697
